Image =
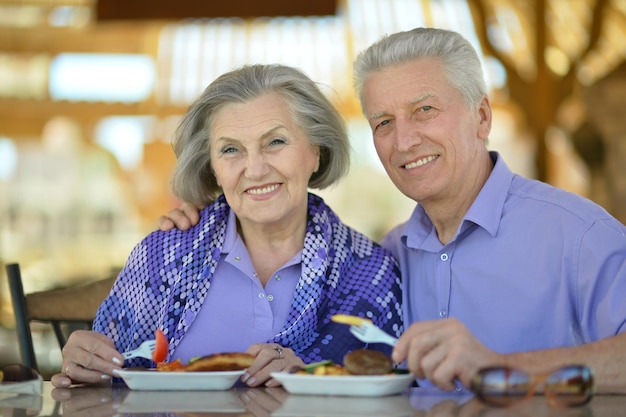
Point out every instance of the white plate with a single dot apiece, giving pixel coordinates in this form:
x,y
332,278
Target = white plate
x,y
182,401
152,380
344,385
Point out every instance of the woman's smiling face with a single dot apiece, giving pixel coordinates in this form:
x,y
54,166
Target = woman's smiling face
x,y
263,160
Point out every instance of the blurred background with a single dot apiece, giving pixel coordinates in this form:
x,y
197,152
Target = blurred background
x,y
91,91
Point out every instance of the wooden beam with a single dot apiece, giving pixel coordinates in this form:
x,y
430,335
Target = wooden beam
x,y
111,37
182,9
25,118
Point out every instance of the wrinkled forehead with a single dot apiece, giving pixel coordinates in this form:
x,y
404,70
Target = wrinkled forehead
x,y
406,83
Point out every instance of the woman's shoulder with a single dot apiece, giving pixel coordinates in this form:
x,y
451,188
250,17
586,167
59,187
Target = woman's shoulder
x,y
342,234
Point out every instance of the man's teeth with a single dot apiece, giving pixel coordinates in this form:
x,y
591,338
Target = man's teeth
x,y
421,162
263,190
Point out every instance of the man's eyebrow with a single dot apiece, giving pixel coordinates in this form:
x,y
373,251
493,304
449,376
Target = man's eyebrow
x,y
421,98
375,115
410,102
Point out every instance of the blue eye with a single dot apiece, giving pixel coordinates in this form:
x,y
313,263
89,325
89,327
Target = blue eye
x,y
277,141
228,149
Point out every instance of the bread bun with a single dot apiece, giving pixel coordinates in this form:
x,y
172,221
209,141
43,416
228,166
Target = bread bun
x,y
367,362
227,361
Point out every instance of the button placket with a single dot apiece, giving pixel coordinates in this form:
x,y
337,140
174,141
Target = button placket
x,y
444,282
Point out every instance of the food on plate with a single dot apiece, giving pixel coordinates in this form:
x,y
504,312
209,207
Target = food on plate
x,y
160,351
357,362
175,365
217,362
227,361
323,368
367,362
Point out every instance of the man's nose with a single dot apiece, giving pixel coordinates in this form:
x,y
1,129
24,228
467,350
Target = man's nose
x,y
407,134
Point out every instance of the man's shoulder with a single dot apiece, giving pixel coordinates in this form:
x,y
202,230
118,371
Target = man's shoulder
x,y
392,240
550,199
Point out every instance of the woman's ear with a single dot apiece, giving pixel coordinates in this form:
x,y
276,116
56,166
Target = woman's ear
x,y
318,153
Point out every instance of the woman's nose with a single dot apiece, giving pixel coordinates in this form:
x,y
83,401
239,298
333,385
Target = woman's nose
x,y
256,166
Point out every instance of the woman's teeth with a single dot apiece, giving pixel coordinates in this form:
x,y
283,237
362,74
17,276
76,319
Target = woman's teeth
x,y
263,190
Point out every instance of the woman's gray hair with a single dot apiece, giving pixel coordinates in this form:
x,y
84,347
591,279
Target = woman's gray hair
x,y
459,60
193,180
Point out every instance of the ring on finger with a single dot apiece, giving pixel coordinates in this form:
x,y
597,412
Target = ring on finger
x,y
279,349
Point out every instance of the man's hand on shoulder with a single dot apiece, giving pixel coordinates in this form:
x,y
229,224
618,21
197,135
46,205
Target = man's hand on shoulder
x,y
182,218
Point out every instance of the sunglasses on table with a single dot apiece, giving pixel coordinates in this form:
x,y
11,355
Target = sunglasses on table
x,y
20,379
568,386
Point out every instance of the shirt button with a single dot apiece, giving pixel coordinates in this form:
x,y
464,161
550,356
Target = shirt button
x,y
237,258
261,295
270,297
277,278
443,313
444,257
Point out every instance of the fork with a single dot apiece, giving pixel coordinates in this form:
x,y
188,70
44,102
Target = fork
x,y
369,333
144,350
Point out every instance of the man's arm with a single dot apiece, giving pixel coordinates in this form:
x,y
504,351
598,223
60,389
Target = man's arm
x,y
606,357
444,350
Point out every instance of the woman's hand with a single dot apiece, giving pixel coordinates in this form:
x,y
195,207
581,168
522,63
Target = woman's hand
x,y
270,357
88,357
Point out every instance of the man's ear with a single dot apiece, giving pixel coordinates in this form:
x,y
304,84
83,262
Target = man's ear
x,y
485,116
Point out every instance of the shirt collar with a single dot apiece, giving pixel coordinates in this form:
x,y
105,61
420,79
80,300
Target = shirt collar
x,y
230,234
232,241
485,211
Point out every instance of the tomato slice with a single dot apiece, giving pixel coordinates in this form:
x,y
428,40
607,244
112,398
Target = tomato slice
x,y
160,351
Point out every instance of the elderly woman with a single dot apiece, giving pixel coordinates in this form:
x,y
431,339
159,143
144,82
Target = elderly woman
x,y
268,264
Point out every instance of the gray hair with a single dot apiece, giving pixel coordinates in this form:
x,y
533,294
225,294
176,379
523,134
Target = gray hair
x,y
193,179
457,56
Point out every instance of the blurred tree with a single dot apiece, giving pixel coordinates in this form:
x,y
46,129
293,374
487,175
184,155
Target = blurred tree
x,y
543,50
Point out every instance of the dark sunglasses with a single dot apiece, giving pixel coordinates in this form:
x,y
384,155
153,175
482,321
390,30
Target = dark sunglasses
x,y
569,386
20,379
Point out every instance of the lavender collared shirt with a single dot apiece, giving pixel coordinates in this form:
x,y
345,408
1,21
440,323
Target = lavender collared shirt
x,y
240,301
531,267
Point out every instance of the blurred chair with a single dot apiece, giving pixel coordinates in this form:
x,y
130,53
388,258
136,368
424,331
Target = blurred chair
x,y
63,308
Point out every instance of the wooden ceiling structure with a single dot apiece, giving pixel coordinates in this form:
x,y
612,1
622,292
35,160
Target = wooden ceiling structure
x,y
115,27
546,47
107,10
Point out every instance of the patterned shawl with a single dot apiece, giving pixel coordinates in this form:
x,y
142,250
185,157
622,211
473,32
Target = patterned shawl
x,y
168,274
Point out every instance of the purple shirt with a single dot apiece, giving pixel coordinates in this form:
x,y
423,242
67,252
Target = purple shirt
x,y
531,267
241,302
